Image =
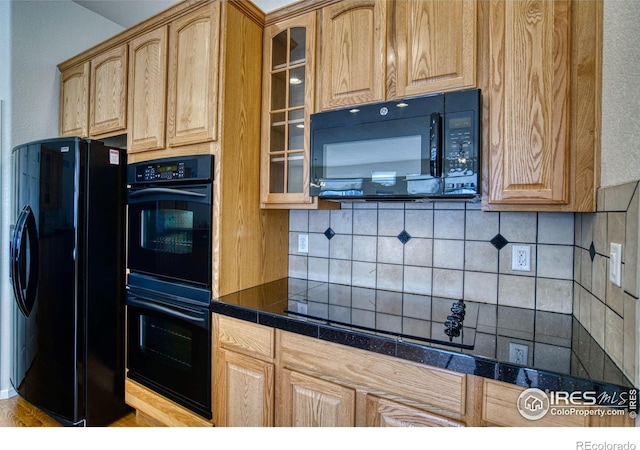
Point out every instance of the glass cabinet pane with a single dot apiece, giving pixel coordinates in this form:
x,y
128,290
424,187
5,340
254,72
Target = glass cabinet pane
x,y
276,174
296,87
295,175
298,43
296,130
279,50
276,140
278,90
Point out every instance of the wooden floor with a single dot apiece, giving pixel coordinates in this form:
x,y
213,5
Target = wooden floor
x,y
17,412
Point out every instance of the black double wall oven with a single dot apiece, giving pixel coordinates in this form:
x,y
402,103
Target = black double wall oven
x,y
170,217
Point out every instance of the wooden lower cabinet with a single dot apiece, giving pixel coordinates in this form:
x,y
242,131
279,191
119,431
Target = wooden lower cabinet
x,y
265,377
306,401
245,391
243,373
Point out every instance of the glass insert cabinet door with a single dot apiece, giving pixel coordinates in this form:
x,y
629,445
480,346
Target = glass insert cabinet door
x,y
287,107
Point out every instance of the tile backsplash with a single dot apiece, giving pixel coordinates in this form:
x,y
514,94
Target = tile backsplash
x,y
455,250
445,249
608,312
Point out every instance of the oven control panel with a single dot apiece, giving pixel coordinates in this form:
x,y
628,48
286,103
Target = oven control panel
x,y
190,168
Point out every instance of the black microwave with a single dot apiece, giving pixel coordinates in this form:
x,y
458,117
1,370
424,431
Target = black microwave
x,y
422,147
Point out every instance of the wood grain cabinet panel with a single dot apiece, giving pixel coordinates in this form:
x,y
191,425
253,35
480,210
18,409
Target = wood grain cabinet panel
x,y
500,407
159,409
193,77
531,52
74,101
382,412
245,337
108,94
353,49
147,91
311,402
246,390
541,96
435,45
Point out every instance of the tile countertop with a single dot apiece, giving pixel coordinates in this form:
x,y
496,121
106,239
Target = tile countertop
x,y
560,353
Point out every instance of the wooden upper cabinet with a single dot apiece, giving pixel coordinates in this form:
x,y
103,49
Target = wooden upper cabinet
x,y
193,77
108,94
435,44
147,91
287,102
353,53
74,101
541,99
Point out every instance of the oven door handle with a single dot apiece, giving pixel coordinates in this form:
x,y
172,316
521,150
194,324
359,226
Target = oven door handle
x,y
191,316
155,191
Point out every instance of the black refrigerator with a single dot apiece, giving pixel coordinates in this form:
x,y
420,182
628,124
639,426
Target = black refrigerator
x,y
67,270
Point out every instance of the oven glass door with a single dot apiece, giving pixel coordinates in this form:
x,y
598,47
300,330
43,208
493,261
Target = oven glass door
x,y
169,351
170,232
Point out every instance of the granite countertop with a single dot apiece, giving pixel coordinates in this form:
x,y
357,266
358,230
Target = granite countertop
x,y
560,354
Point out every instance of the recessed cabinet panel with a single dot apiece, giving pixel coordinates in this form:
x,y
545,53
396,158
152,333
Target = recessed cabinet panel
x,y
436,45
353,66
147,91
529,101
193,77
247,388
312,402
74,101
108,94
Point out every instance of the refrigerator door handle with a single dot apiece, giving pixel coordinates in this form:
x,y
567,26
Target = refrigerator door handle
x,y
25,295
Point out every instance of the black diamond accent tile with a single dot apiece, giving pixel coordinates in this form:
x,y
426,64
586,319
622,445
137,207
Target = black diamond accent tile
x,y
592,251
329,233
499,241
404,237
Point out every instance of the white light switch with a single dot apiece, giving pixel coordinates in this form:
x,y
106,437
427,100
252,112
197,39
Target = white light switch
x,y
615,264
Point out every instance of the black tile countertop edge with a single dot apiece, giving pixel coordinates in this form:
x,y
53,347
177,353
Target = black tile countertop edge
x,y
436,357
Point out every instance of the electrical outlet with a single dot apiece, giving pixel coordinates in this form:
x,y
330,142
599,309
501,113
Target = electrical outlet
x,y
521,258
615,264
303,243
518,353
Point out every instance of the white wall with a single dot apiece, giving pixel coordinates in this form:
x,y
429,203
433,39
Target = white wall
x,y
621,92
34,36
6,299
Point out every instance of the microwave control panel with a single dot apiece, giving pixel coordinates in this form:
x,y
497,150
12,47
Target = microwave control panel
x,y
460,153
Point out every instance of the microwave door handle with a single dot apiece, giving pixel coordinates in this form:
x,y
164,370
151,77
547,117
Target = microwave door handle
x,y
435,145
155,191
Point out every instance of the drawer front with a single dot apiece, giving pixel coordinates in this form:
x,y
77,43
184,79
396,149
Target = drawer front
x,y
424,386
244,337
500,407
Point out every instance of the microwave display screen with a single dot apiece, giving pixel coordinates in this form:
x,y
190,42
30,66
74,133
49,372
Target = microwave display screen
x,y
362,159
462,122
